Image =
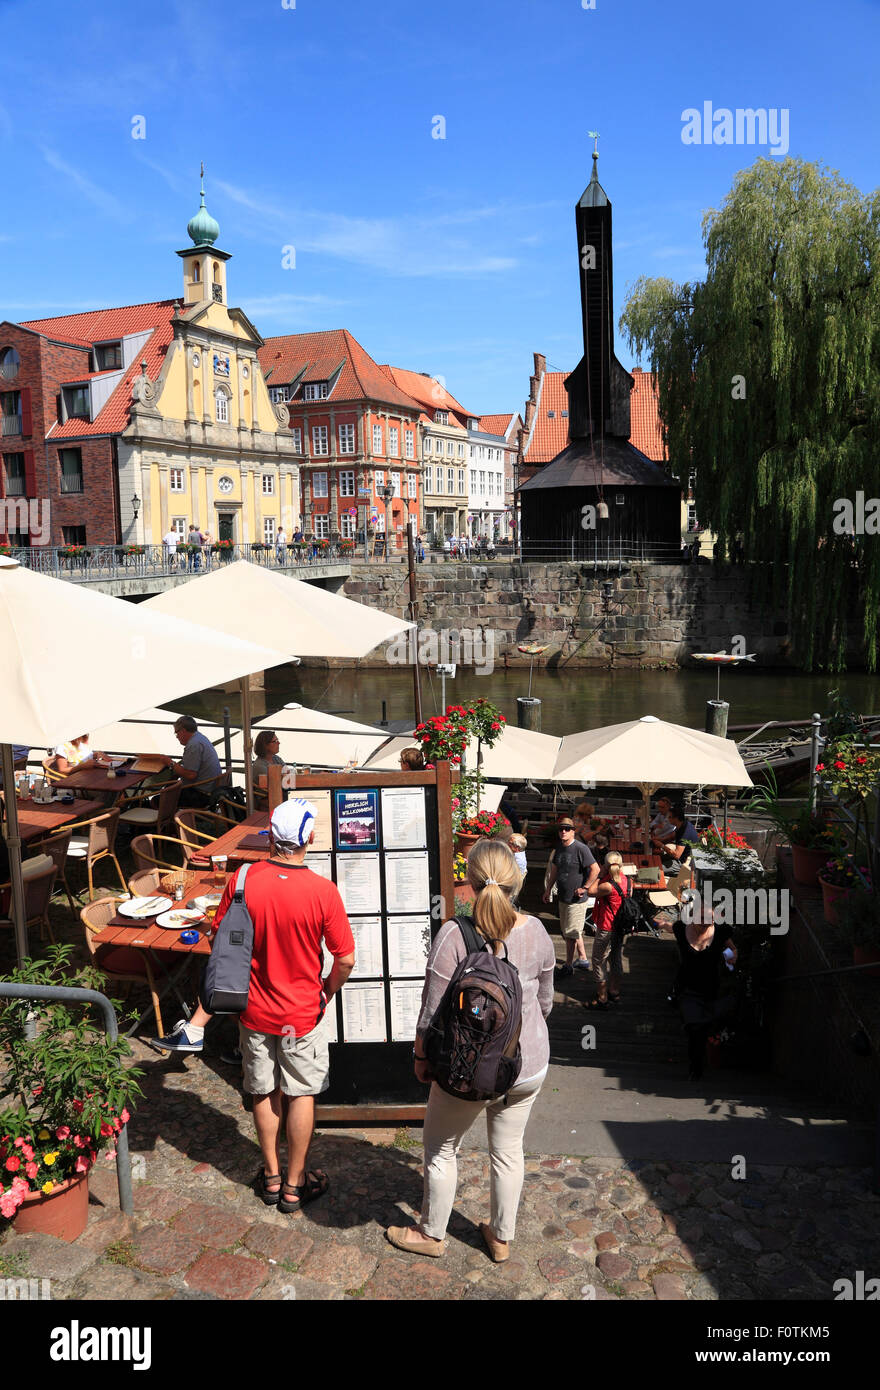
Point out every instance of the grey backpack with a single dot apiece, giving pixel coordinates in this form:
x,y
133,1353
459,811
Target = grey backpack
x,y
228,972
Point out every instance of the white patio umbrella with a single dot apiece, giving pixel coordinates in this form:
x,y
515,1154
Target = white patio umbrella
x,y
311,738
149,732
258,603
75,660
648,753
518,755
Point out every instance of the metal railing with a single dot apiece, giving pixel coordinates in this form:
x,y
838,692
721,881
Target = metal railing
x,y
87,996
593,548
96,562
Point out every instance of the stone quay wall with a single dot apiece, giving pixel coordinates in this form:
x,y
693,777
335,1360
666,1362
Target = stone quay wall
x,y
648,615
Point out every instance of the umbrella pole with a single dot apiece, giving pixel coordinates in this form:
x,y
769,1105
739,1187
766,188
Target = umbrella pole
x,y
13,844
227,741
246,735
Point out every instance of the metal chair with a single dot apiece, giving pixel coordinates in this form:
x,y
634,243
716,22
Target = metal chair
x,y
99,844
159,817
122,963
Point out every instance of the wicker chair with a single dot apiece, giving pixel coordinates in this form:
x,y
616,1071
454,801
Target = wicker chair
x,y
57,847
50,768
145,883
159,817
39,880
143,851
121,963
98,844
191,837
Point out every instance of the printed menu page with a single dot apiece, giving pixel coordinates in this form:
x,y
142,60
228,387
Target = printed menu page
x,y
409,941
363,1013
367,932
320,864
407,883
406,1003
357,878
323,827
403,818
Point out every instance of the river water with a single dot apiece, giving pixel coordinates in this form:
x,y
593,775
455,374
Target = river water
x,y
570,700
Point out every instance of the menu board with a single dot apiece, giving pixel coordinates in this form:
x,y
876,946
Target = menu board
x,y
363,1013
407,882
406,1003
358,881
403,818
409,941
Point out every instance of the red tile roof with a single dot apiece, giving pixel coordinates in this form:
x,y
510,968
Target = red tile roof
x,y
319,356
549,434
645,431
427,391
103,325
496,424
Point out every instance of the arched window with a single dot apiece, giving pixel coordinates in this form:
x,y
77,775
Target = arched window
x,y
222,403
216,272
197,274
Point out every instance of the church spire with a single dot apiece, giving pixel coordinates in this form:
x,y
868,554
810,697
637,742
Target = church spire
x,y
202,229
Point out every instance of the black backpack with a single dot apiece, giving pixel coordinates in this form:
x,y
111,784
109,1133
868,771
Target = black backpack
x,y
228,972
472,1042
627,918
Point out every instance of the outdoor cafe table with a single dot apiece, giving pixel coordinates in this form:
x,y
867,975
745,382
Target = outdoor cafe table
x,y
95,779
145,935
37,819
230,843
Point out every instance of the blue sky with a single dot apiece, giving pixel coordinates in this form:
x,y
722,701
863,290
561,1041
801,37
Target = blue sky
x,y
454,256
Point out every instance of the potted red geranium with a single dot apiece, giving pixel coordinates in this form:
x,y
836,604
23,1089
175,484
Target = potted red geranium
x,y
63,1100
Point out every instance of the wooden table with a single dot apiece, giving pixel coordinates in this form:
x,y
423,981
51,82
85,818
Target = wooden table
x,y
145,935
37,820
95,779
229,843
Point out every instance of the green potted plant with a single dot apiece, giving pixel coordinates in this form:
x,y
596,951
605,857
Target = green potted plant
x,y
64,1098
812,837
858,917
224,549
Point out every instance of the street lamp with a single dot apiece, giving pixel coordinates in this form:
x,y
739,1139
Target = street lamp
x,y
387,494
135,507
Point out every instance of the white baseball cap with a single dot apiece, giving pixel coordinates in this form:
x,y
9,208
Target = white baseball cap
x,y
293,821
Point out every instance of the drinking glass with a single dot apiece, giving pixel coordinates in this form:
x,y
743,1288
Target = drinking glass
x,y
218,863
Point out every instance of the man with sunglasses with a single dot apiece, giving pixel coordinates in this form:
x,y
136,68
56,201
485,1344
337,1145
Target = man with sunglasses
x,y
574,872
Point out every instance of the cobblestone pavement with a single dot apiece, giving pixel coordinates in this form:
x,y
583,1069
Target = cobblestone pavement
x,y
588,1228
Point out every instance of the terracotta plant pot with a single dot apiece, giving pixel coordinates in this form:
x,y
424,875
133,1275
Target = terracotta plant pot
x,y
464,842
807,864
831,894
63,1213
864,955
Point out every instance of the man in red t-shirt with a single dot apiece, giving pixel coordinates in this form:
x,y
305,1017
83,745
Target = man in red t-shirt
x,y
284,1046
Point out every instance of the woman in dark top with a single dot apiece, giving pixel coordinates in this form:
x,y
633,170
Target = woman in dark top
x,y
701,950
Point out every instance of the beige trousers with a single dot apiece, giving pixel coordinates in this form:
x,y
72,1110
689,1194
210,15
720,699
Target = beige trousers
x,y
447,1121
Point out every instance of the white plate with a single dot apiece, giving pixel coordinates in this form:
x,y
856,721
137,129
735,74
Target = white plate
x,y
179,919
143,907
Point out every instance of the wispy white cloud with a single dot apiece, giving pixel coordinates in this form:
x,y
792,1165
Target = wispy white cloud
x,y
270,304
106,202
406,246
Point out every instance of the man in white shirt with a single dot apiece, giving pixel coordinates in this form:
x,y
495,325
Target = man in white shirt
x,y
280,546
169,541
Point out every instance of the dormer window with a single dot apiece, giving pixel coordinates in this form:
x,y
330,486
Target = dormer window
x,y
315,391
77,402
108,356
551,414
441,417
473,424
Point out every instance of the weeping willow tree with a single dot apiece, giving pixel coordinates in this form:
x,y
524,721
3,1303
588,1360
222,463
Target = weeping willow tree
x,y
767,375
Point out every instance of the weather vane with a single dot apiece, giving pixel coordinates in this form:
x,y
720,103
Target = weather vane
x,y
594,136
203,168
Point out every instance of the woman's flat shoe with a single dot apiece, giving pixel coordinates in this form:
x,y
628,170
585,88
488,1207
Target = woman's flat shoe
x,y
498,1249
401,1238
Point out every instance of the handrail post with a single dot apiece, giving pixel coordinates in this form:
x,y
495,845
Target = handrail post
x,y
87,996
814,758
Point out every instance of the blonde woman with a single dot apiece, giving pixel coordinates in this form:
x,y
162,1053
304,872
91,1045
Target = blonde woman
x,y
492,872
612,888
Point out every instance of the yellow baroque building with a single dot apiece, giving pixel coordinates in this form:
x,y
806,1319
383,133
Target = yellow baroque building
x,y
203,443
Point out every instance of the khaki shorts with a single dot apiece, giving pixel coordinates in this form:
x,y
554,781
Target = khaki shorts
x,y
572,917
297,1066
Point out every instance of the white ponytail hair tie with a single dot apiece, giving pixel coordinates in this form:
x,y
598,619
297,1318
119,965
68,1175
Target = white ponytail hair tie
x,y
490,880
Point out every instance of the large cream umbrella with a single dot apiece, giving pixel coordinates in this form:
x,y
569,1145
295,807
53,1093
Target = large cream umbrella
x,y
260,604
648,753
311,738
150,732
518,755
75,660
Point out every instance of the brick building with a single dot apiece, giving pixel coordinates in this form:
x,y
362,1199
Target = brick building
x,y
358,431
137,420
444,453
